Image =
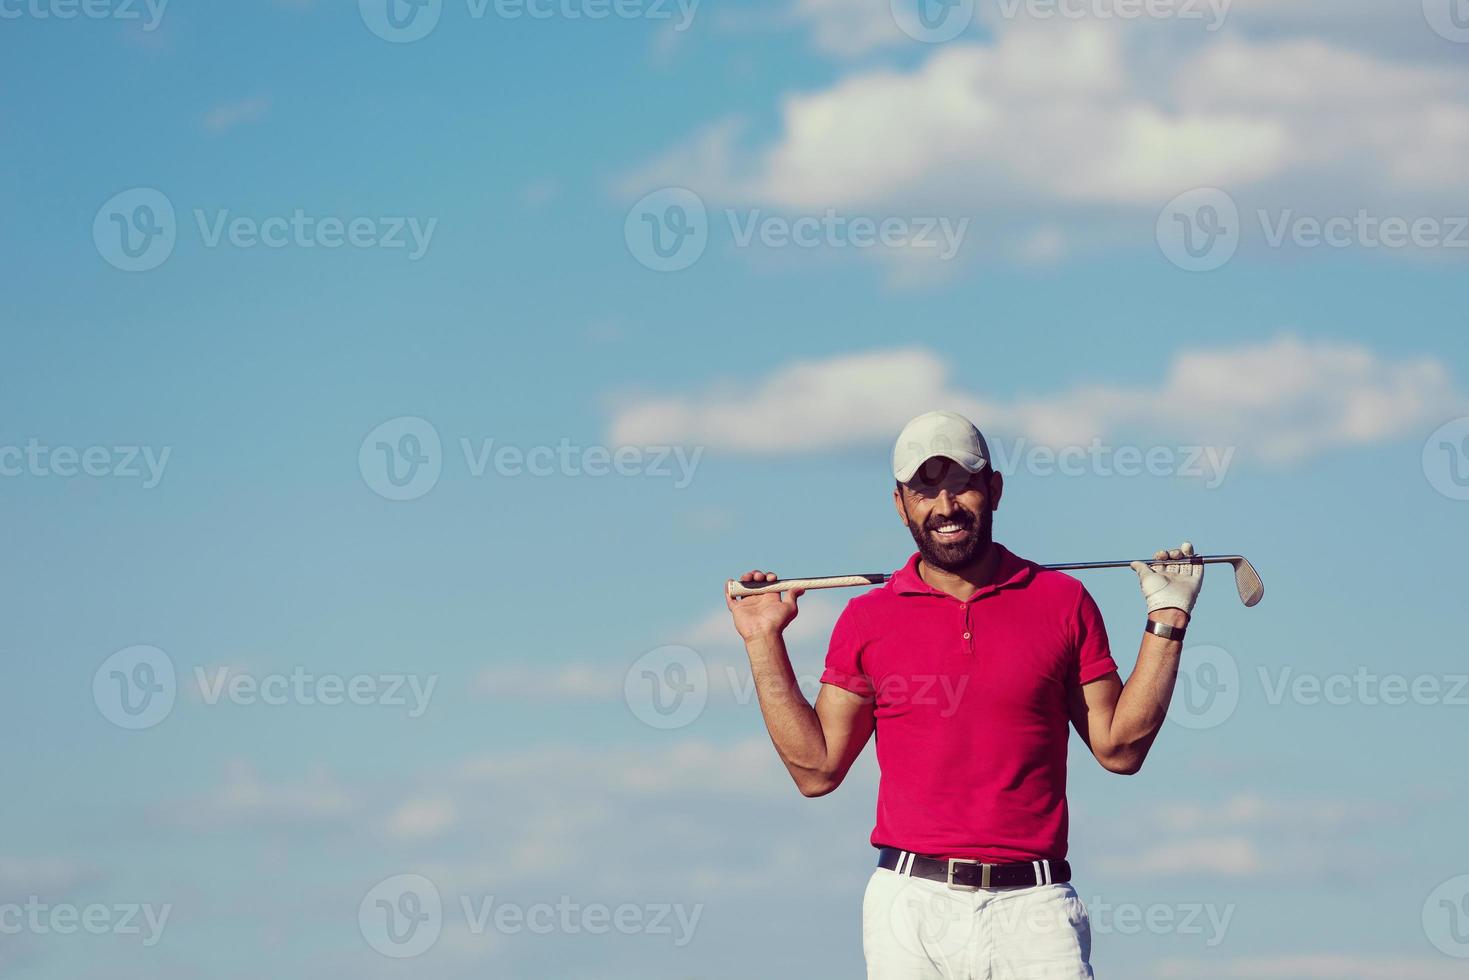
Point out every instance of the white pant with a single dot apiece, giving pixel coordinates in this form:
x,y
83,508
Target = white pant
x,y
915,929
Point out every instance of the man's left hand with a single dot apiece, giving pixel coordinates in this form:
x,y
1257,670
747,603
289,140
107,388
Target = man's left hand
x,y
1170,581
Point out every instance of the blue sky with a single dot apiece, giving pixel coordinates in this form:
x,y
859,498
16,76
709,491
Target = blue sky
x,y
192,460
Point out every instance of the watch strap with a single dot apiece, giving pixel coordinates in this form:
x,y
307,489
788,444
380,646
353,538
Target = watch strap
x,y
1164,630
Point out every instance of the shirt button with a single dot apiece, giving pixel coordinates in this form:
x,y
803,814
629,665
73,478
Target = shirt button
x,y
966,636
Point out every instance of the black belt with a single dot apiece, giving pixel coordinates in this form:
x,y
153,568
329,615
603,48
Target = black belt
x,y
964,873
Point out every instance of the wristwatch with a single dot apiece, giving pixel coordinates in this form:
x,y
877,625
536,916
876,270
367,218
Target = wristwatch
x,y
1164,630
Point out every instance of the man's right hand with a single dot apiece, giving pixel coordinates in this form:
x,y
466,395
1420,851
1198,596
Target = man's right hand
x,y
762,615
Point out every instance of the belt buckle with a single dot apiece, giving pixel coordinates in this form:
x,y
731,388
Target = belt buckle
x,y
984,875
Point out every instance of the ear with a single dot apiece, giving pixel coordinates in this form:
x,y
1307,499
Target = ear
x,y
902,508
997,488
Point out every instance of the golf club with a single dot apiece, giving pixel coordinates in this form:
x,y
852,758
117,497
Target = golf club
x,y
1246,579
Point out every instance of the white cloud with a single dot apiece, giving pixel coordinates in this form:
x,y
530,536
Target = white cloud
x,y
246,801
540,192
848,27
1228,856
1249,810
1249,835
226,116
1101,127
584,681
21,877
1311,966
422,818
1281,400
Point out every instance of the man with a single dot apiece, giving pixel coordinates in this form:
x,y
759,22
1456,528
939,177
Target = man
x,y
969,664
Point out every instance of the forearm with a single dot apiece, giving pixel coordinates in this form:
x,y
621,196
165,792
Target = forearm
x,y
1144,701
794,726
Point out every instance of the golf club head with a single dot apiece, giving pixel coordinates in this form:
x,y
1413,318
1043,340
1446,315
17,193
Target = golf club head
x,y
1247,581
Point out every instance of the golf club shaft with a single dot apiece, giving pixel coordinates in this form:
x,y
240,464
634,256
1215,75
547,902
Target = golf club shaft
x,y
738,589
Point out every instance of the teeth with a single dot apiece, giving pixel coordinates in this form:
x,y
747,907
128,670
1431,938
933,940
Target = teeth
x,y
950,528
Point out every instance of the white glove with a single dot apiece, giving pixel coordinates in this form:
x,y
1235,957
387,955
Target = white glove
x,y
1170,584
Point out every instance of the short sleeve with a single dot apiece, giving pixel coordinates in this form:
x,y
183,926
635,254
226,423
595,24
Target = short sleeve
x,y
1093,653
844,655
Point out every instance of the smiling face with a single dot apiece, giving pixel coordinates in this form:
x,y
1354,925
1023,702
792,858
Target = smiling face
x,y
950,512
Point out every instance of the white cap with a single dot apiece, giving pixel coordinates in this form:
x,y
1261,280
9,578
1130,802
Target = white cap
x,y
945,434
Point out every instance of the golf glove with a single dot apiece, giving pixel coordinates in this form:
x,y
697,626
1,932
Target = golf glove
x,y
1170,584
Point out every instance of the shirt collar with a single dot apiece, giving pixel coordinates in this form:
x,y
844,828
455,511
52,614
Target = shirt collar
x,y
1012,570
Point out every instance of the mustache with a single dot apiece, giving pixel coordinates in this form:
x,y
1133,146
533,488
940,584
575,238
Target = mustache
x,y
963,519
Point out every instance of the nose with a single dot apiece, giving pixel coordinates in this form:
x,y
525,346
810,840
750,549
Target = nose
x,y
943,504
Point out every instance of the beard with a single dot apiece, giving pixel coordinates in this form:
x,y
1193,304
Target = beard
x,y
961,554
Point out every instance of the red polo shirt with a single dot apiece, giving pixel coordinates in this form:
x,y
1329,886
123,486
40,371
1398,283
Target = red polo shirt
x,y
971,706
